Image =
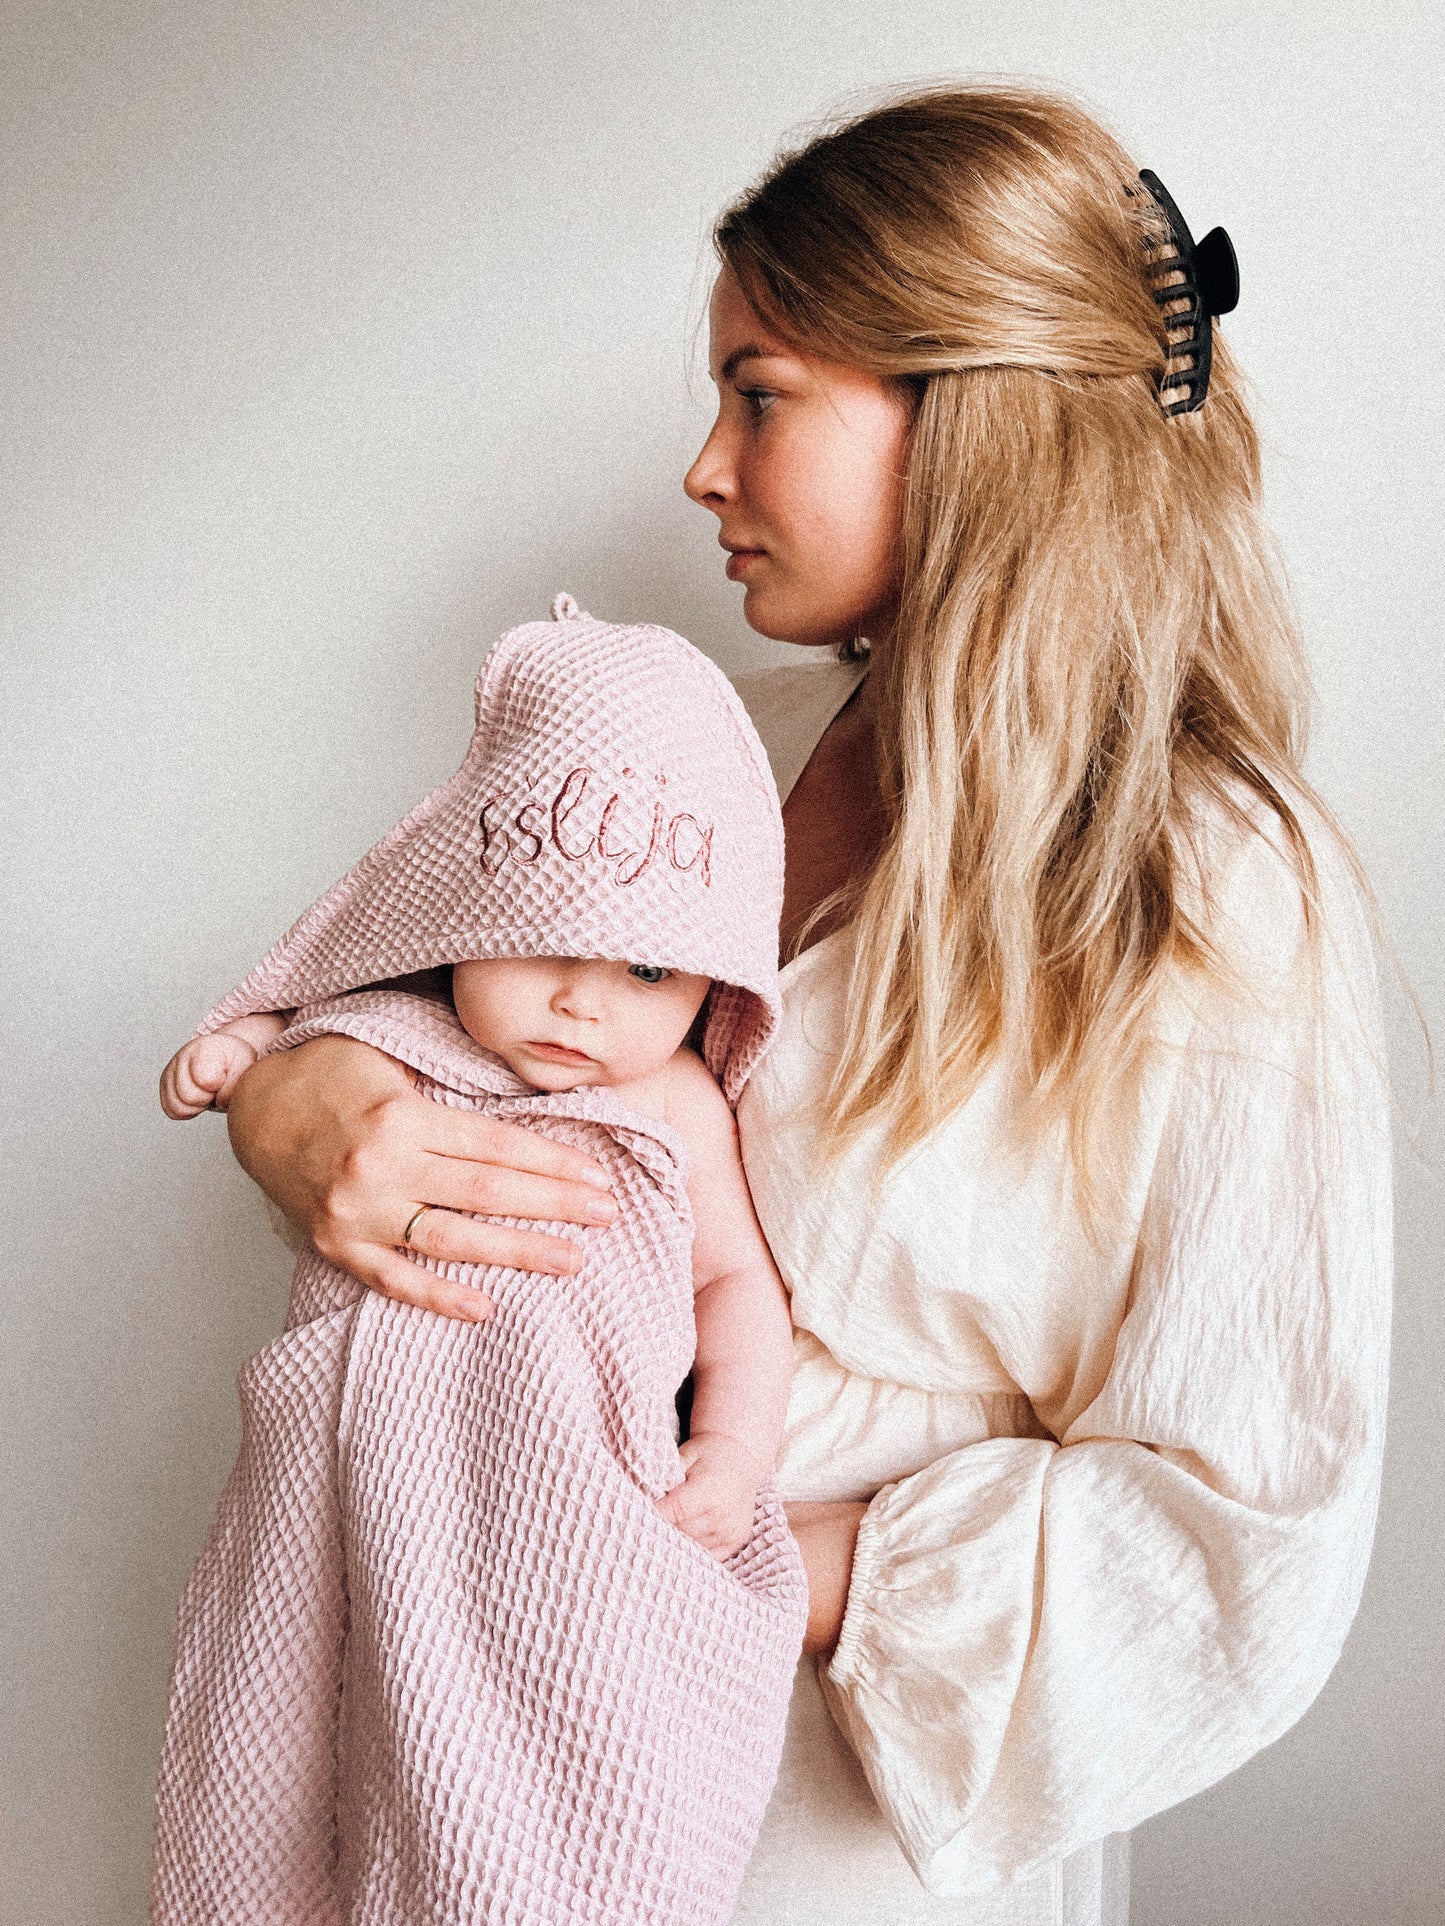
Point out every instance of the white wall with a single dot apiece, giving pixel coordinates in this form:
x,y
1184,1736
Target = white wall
x,y
335,339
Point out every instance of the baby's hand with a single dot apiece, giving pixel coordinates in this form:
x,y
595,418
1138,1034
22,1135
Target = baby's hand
x,y
715,1505
203,1073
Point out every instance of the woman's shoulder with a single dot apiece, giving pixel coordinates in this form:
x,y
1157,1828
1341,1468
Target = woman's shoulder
x,y
791,704
1280,902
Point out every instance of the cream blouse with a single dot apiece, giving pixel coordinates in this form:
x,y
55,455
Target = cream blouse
x,y
1121,1489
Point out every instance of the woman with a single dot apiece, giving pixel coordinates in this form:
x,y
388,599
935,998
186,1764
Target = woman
x,y
1073,1148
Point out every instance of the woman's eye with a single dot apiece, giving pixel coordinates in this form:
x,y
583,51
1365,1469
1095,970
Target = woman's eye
x,y
759,400
648,972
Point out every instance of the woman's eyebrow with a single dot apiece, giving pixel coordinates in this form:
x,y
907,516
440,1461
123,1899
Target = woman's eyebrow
x,y
750,351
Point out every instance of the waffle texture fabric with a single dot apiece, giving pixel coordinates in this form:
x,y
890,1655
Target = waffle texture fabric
x,y
441,1658
615,802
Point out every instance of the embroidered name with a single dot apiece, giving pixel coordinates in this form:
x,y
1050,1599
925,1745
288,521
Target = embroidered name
x,y
520,836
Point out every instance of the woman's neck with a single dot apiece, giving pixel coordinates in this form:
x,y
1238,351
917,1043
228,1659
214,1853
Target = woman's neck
x,y
833,819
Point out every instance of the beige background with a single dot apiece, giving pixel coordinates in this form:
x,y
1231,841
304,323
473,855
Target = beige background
x,y
335,339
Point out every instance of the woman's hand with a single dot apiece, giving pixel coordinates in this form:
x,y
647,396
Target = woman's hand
x,y
826,1533
335,1134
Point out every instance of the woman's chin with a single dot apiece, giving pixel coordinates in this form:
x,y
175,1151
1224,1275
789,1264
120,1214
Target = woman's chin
x,y
770,616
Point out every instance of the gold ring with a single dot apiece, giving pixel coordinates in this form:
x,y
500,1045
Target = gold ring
x,y
411,1222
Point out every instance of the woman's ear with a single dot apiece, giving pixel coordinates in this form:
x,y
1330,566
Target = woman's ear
x,y
913,387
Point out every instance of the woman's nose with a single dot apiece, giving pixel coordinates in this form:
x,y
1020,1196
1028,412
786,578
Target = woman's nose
x,y
710,481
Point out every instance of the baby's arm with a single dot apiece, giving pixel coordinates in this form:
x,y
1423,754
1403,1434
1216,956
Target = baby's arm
x,y
743,1370
203,1073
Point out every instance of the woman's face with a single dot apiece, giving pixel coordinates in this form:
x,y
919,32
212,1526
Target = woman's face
x,y
804,471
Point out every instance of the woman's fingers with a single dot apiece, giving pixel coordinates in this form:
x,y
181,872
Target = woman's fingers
x,y
414,1151
463,1162
450,1239
340,1139
371,1249
486,1164
416,1144
501,1190
397,1277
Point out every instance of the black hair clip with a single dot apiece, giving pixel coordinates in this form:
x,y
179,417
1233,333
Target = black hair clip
x,y
1209,286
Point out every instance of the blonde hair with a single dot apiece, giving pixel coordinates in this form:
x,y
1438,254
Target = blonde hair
x,y
1094,636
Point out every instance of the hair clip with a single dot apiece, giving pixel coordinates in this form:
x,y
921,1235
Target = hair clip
x,y
1209,286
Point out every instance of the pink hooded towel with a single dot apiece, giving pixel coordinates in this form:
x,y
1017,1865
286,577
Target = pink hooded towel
x,y
441,1659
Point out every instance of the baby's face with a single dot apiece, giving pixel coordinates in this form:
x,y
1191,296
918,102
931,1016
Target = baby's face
x,y
562,1021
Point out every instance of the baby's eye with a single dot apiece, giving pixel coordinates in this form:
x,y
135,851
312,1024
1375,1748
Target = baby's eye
x,y
647,972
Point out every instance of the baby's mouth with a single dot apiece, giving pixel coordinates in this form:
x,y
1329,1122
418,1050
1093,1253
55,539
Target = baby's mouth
x,y
559,1053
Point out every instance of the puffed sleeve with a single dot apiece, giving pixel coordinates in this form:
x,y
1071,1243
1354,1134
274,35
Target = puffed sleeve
x,y
1047,1641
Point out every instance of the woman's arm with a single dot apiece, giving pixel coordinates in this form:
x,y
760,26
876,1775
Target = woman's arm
x,y
827,1535
337,1137
1046,1641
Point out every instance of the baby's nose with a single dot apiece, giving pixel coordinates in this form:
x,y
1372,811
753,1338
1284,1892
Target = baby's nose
x,y
577,995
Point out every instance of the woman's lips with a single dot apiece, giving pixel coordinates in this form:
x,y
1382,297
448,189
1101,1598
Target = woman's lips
x,y
740,560
559,1053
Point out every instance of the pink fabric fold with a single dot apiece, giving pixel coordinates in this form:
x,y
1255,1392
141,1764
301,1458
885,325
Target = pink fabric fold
x,y
441,1659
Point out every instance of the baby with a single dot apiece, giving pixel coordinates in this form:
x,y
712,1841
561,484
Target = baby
x,y
562,1023
473,1636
